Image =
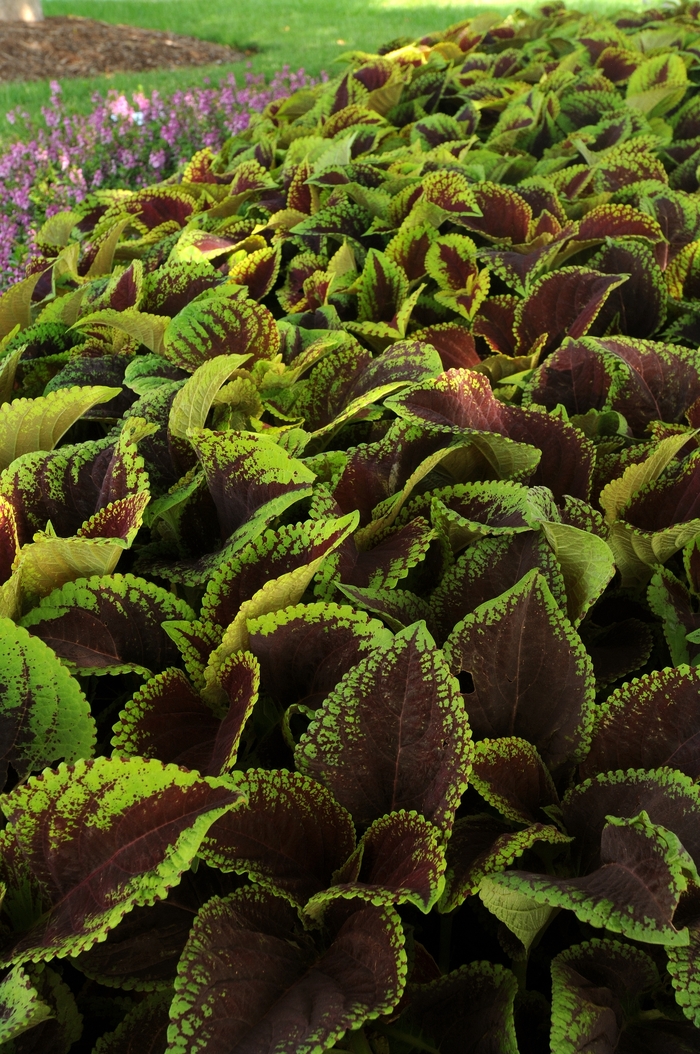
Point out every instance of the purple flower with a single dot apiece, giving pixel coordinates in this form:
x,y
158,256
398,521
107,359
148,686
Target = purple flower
x,y
122,142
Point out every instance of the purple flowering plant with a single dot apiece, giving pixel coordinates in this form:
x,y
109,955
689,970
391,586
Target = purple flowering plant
x,y
122,142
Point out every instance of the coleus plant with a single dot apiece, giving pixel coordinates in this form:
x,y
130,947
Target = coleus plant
x,y
350,569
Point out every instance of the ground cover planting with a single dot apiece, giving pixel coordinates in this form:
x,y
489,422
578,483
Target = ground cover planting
x,y
350,569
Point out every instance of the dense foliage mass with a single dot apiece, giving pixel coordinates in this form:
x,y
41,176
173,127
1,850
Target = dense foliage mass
x,y
350,560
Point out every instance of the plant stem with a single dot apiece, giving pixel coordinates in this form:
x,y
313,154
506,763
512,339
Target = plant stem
x,y
519,967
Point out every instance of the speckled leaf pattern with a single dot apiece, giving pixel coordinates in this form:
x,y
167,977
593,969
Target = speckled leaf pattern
x,y
405,694
305,650
141,824
644,869
546,695
399,859
621,975
650,722
483,845
109,624
167,719
44,715
218,326
282,992
291,836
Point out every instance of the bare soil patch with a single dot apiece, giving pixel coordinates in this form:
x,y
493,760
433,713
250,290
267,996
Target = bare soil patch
x,y
83,47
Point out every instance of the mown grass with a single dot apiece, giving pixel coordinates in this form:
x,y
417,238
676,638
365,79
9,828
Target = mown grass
x,y
299,33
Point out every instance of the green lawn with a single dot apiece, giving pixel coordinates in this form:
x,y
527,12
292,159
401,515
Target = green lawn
x,y
303,33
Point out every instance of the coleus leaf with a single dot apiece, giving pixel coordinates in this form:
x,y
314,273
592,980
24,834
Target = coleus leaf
x,y
644,286
38,424
270,556
468,1011
141,326
505,215
489,568
596,989
404,694
141,953
397,608
552,710
399,859
59,1031
383,286
290,837
665,795
453,343
44,715
683,963
244,472
510,775
462,400
143,1029
194,400
304,651
482,845
204,329
141,824
167,719
649,723
657,85
562,304
525,918
671,602
250,975
397,551
109,625
21,1007
587,564
258,271
644,869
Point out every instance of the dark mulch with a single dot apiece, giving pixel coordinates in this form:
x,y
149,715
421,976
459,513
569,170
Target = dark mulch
x,y
83,47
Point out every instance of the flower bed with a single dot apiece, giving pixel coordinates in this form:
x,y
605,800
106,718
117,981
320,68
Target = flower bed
x,y
125,143
350,565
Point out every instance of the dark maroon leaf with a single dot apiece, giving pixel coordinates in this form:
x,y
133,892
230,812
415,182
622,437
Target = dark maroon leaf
x,y
468,1011
142,952
400,858
402,696
489,568
109,623
638,307
510,775
453,343
305,651
505,215
650,723
542,692
463,399
485,844
495,322
250,977
562,304
597,990
667,797
168,720
291,836
245,471
96,839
